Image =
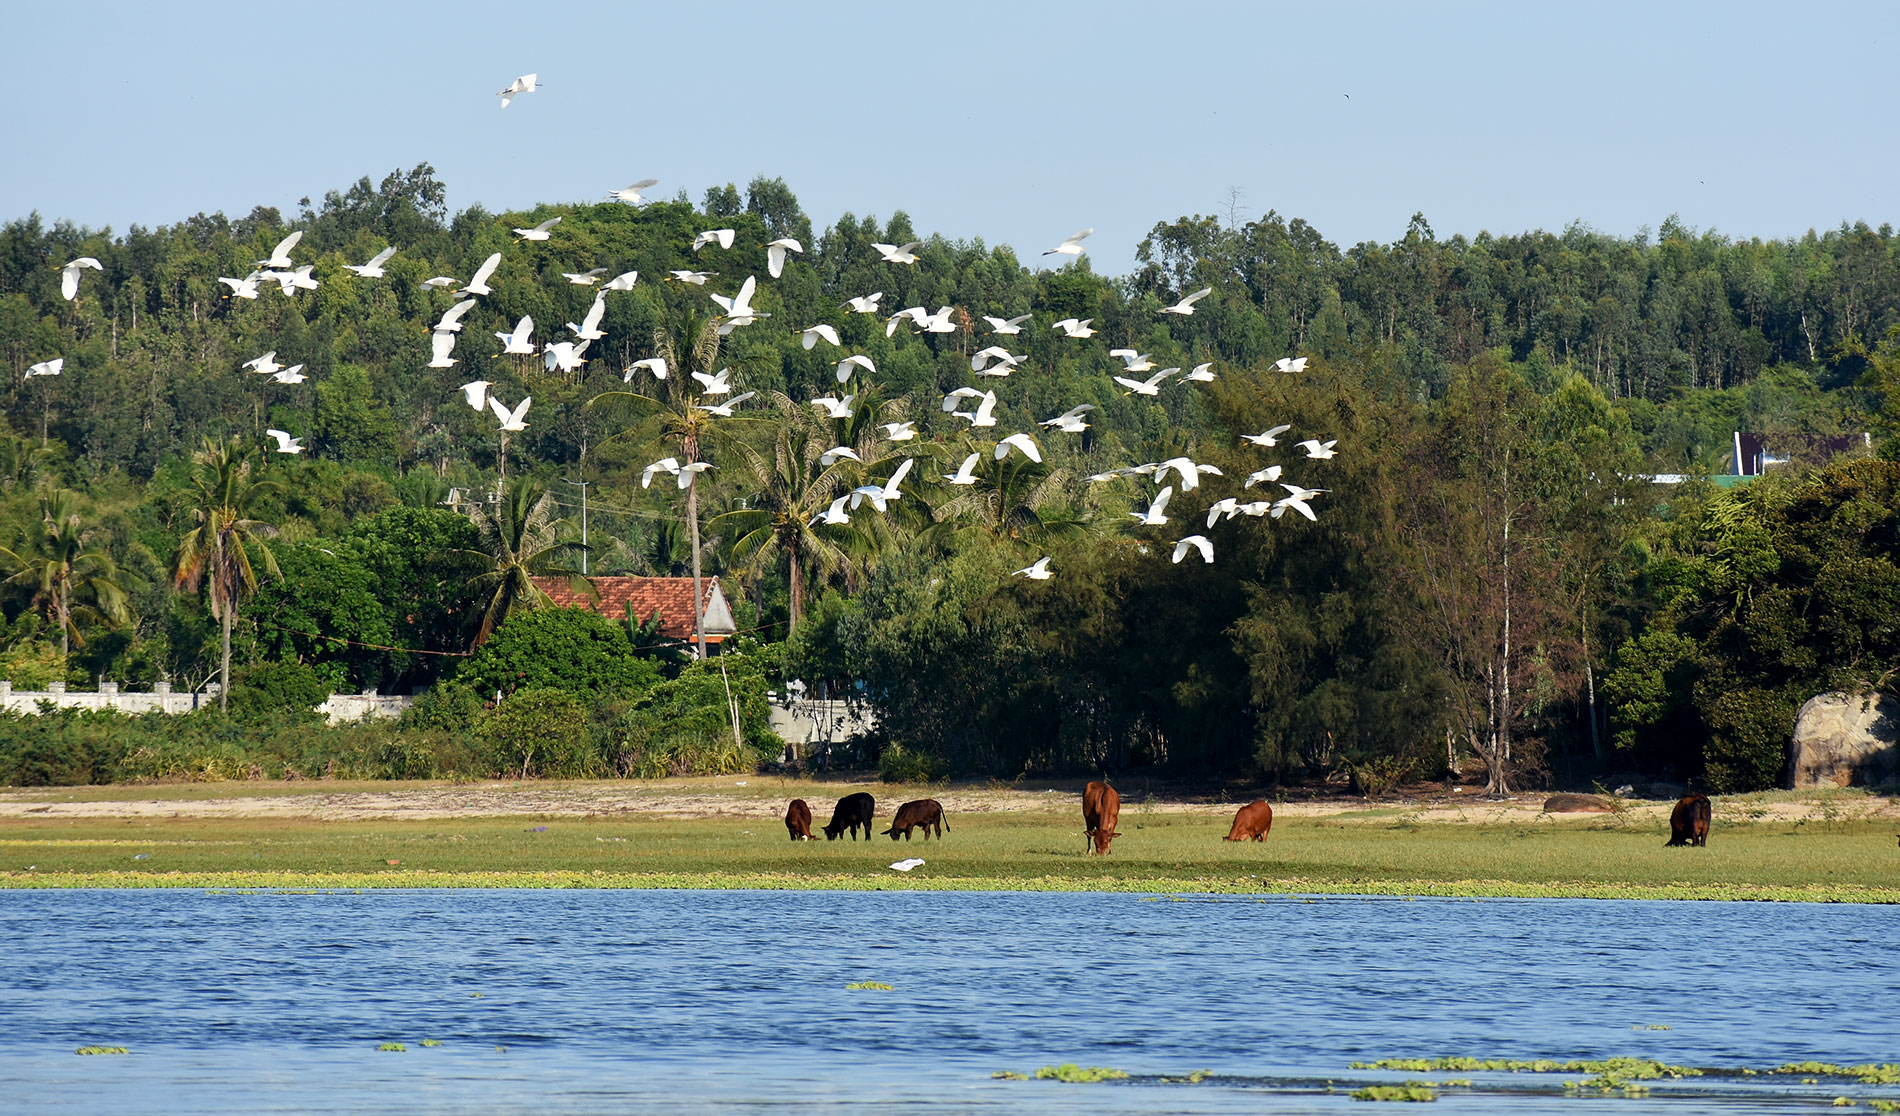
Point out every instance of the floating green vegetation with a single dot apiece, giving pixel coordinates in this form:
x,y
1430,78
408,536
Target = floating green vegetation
x,y
1009,1075
1079,1075
432,1042
1407,1092
1194,1077
102,1050
868,986
1885,1105
1623,1069
1884,1074
393,1047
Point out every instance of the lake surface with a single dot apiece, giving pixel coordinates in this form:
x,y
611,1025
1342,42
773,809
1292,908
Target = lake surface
x,y
556,1002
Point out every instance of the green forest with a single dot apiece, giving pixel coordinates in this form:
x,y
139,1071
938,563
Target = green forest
x,y
1491,579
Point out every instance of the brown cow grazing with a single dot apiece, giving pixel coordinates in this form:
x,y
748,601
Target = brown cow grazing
x,y
798,820
1101,809
926,812
1689,822
852,811
1252,822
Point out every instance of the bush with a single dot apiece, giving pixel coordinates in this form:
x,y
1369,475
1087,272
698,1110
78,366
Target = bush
x,y
541,733
568,649
899,764
684,726
446,706
283,689
1747,749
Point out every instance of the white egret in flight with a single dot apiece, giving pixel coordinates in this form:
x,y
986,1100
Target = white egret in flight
x,y
1070,421
540,231
46,368
69,276
1072,327
1008,327
1194,542
809,337
863,304
479,284
1039,571
775,254
631,194
721,237
899,253
526,83
1022,442
476,392
966,473
656,365
1154,516
1185,307
1071,246
1269,437
1264,476
510,420
374,268
517,343
280,256
441,344
285,443
1318,450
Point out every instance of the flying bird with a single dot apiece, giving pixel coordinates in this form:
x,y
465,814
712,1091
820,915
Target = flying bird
x,y
692,278
1150,386
1269,437
46,368
1264,476
479,284
540,231
621,282
589,329
1185,307
719,383
526,83
837,453
441,281
688,472
476,392
1039,571
441,344
721,237
899,253
1194,542
833,515
510,420
1005,359
986,404
1072,327
966,473
292,375
1190,472
1200,374
285,443
69,276
1296,498
669,465
242,288
264,365
724,410
900,431
1008,327
451,320
881,495
1134,361
850,362
864,304
584,278
835,408
1071,246
1228,507
564,355
1022,442
517,343
656,365
1290,364
1070,421
775,254
631,194
1318,450
809,337
374,268
280,256
1154,516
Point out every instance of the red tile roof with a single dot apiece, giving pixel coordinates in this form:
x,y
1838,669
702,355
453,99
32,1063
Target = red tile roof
x,y
671,596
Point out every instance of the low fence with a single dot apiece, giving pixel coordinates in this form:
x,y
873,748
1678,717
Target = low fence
x,y
161,698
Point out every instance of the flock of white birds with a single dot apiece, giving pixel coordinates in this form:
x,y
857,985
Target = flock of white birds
x,y
974,405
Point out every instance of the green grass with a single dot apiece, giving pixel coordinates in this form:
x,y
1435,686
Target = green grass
x,y
1847,861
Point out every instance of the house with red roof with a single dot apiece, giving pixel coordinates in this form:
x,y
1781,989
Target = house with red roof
x,y
670,597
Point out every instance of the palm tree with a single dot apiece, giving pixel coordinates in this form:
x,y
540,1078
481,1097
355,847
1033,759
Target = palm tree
x,y
217,551
69,581
1014,501
792,487
518,540
669,417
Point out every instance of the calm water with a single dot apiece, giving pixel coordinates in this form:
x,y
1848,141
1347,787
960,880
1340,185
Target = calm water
x,y
631,1001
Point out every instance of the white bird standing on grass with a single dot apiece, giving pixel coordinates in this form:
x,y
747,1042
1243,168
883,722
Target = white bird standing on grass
x,y
1185,307
540,231
374,268
631,194
69,276
479,284
285,443
526,83
908,864
1194,542
1039,571
1071,246
775,254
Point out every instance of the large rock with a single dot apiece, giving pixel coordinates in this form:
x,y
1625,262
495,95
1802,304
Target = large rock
x,y
1843,739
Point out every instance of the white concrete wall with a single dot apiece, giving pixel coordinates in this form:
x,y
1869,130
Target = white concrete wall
x,y
338,707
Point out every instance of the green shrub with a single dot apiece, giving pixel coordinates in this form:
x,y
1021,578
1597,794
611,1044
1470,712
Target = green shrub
x,y
899,764
283,689
1747,749
569,649
541,733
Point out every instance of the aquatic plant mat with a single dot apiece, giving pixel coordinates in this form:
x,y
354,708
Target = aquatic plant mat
x,y
244,836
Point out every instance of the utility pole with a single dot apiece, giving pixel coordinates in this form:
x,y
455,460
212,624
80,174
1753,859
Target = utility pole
x,y
582,485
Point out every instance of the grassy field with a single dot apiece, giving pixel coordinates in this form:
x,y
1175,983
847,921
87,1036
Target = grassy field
x,y
1368,851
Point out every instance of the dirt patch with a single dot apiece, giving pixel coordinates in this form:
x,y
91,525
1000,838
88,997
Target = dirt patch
x,y
762,797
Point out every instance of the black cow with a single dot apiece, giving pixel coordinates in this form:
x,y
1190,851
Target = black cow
x,y
852,811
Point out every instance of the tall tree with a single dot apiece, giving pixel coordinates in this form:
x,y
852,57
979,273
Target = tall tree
x,y
218,551
69,579
519,538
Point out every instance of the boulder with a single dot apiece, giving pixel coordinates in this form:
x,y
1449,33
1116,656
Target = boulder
x,y
1842,739
1577,804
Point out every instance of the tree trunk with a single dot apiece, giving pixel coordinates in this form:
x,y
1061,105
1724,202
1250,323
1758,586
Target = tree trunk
x,y
795,574
224,664
699,593
65,627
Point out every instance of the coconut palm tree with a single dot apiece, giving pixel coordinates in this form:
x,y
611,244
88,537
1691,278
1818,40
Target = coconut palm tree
x,y
68,580
1015,501
519,540
669,417
218,550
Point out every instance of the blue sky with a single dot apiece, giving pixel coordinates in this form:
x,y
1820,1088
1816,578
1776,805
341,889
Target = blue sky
x,y
1015,122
